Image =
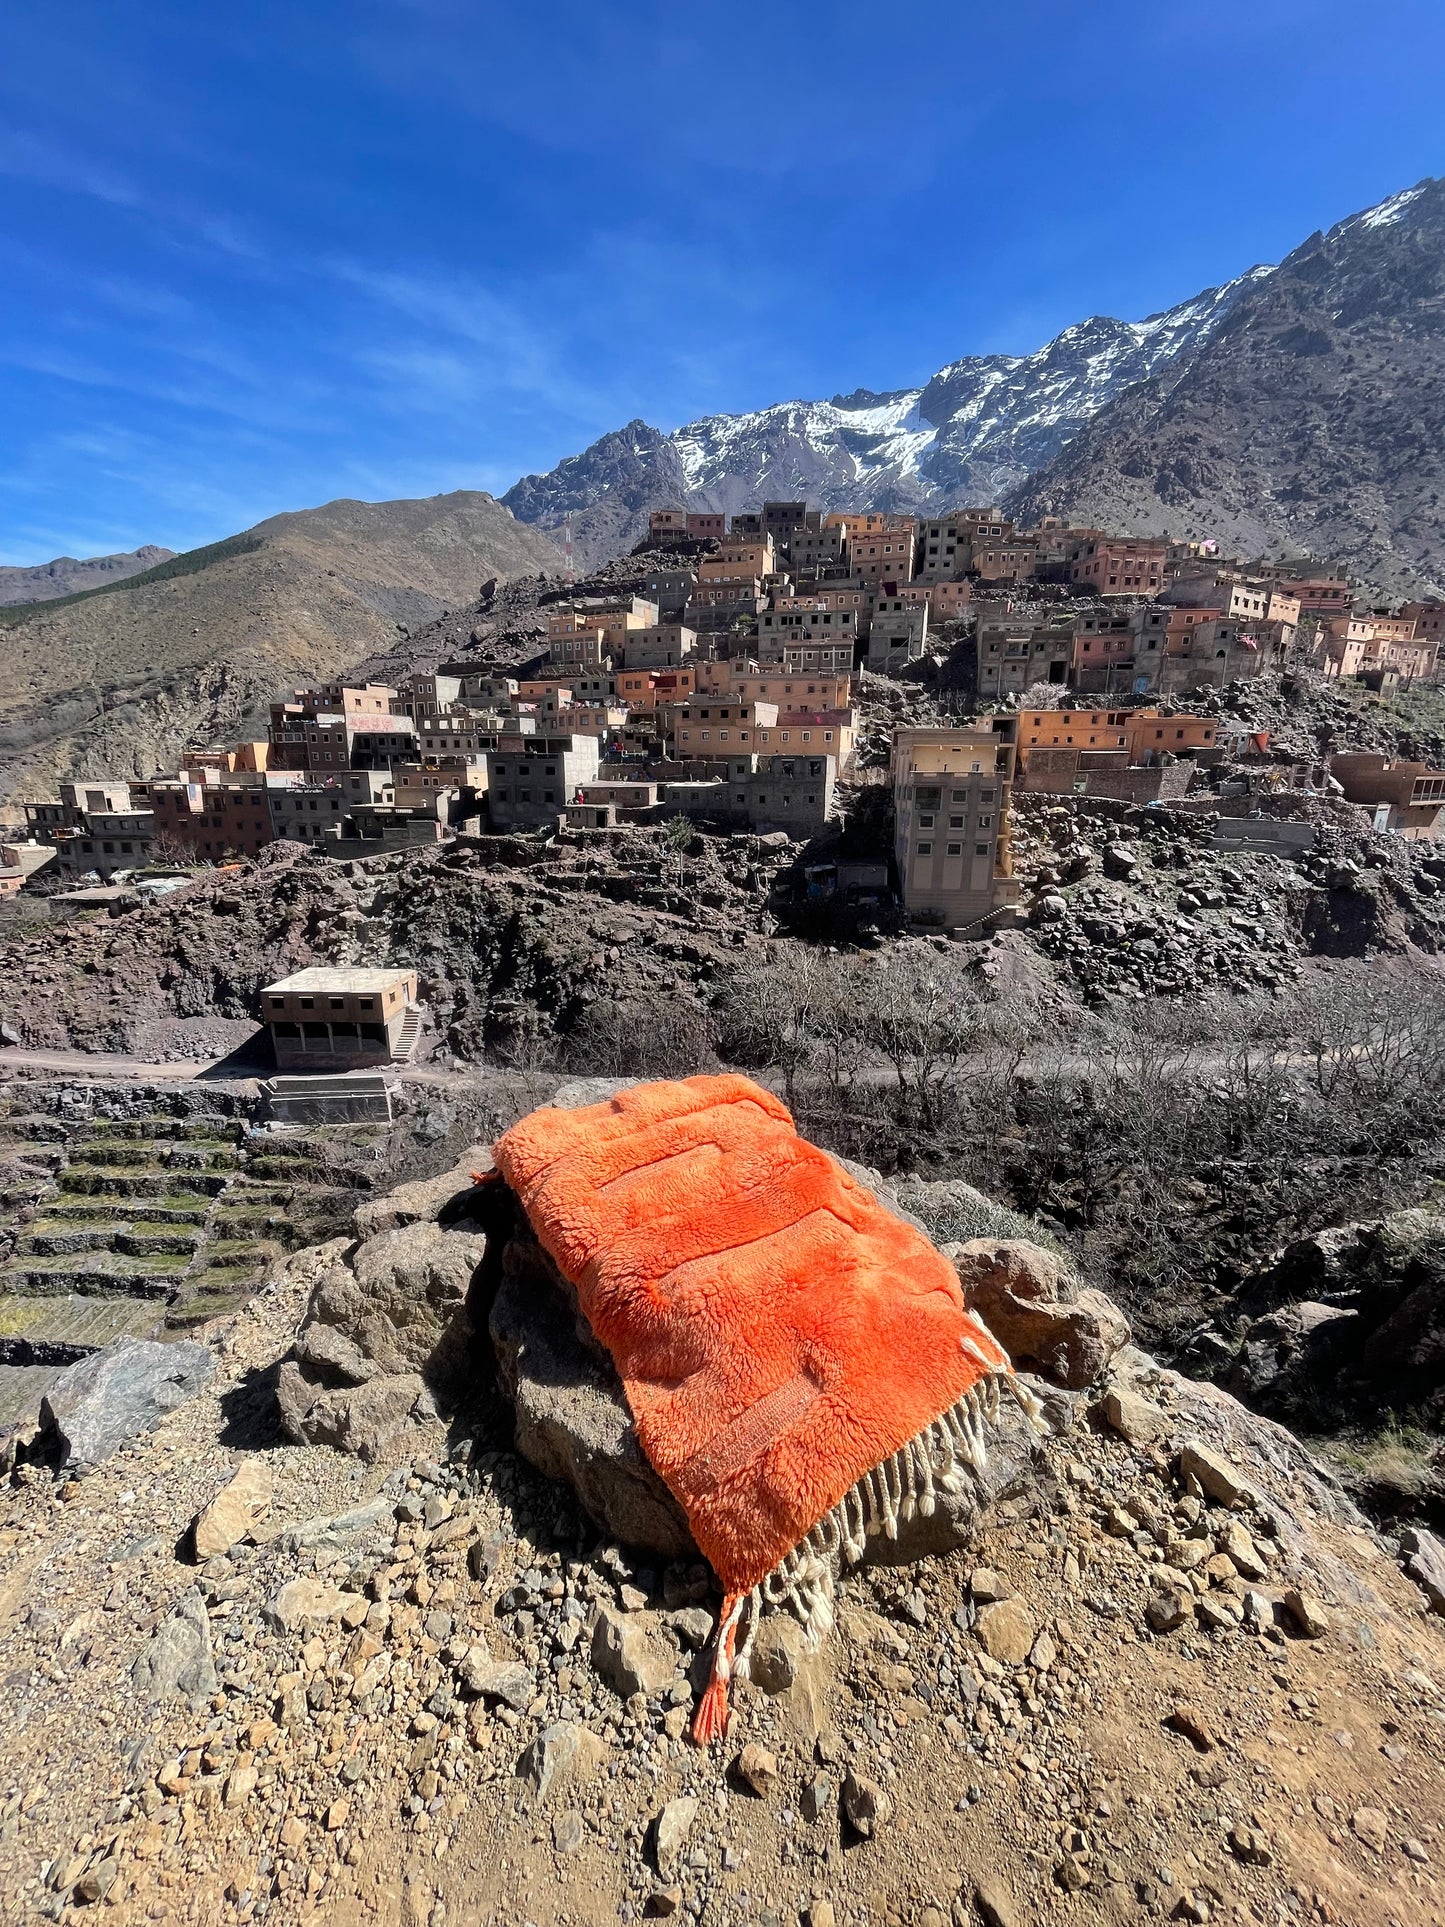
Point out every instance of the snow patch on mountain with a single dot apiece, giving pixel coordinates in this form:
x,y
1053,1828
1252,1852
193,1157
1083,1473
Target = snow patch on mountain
x,y
984,421
1388,212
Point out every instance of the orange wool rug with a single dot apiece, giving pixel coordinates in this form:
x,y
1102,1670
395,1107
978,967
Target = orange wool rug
x,y
799,1362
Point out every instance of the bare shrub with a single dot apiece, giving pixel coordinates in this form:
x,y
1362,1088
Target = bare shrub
x,y
637,1037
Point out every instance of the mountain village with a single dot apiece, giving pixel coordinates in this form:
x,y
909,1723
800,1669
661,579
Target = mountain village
x,y
728,687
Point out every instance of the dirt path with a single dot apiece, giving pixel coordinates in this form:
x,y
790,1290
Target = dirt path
x,y
103,1064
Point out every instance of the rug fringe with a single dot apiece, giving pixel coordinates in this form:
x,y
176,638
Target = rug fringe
x,y
904,1484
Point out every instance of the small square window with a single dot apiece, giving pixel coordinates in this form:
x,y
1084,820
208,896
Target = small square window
x,y
925,849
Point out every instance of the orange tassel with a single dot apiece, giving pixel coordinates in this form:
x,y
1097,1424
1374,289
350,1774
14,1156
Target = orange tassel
x,y
713,1713
485,1177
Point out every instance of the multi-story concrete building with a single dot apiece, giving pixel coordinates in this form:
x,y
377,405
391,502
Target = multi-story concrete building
x,y
212,819
830,730
946,546
749,681
781,519
739,560
336,1018
1120,565
801,620
1011,559
1015,651
897,634
305,812
1217,652
665,526
789,793
717,604
820,552
382,745
469,732
1407,798
426,697
883,555
666,645
106,841
817,656
707,727
644,690
951,799
43,821
530,779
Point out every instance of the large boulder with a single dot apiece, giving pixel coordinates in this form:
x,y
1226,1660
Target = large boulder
x,y
424,1200
113,1396
386,1337
572,1417
1025,1296
573,1423
1339,1323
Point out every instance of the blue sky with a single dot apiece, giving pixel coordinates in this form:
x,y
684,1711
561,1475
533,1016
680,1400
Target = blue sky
x,y
255,257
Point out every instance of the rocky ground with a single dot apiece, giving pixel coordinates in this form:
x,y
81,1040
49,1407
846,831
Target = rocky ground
x,y
1141,901
499,927
513,935
1164,1671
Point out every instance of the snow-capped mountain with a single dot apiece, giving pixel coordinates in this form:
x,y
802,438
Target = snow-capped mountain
x,y
981,426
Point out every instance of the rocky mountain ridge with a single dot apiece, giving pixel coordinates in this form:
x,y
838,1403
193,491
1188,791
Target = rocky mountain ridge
x,y
978,427
46,581
1293,408
118,680
1311,419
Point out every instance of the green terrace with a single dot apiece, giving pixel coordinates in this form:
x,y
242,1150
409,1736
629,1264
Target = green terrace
x,y
57,1237
144,1227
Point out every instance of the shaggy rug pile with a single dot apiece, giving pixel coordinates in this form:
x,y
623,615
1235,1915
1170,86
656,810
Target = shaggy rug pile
x,y
799,1362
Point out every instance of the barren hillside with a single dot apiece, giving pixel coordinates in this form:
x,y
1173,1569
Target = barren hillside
x,y
117,680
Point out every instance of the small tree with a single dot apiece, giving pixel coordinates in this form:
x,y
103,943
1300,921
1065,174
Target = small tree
x,y
677,834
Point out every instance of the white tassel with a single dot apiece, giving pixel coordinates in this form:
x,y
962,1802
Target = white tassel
x,y
904,1484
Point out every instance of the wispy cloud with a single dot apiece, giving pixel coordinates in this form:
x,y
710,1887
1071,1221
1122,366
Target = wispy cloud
x,y
513,353
28,157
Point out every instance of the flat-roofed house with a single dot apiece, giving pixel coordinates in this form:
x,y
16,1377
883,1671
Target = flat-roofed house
x,y
952,795
336,1018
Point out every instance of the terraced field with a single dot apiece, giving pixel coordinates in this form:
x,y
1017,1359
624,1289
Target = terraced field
x,y
139,1227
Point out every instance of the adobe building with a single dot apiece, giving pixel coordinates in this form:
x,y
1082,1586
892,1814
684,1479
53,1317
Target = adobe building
x,y
1406,797
951,794
108,841
532,779
341,1017
1120,565
898,633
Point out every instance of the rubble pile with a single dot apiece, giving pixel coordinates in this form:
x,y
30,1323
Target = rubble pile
x,y
1168,1673
1131,901
630,920
506,626
178,977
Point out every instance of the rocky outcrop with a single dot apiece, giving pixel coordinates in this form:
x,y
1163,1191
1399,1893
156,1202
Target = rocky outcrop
x,y
110,1398
1043,1320
573,1423
572,1420
1341,1322
387,1332
1309,422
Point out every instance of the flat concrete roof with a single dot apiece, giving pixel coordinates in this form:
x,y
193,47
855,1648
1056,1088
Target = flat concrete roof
x,y
338,977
